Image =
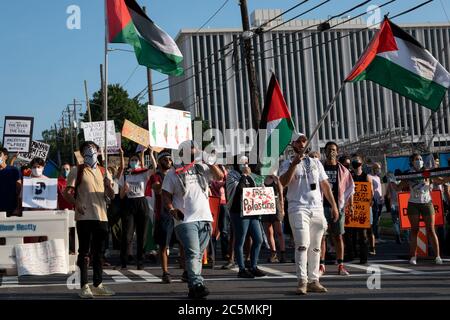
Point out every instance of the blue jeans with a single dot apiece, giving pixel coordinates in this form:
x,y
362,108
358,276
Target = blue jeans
x,y
195,237
395,220
241,226
376,211
224,228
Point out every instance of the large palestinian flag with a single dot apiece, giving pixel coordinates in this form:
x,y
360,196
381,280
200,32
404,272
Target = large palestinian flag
x,y
155,49
277,121
395,60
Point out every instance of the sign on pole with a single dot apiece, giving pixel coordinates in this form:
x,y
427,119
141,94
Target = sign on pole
x,y
361,207
258,201
168,127
135,133
38,150
95,131
436,198
39,193
17,133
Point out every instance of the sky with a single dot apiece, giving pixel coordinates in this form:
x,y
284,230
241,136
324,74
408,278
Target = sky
x,y
43,64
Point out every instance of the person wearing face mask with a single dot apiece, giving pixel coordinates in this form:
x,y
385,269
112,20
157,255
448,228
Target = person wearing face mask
x,y
307,180
10,186
62,183
136,213
88,187
377,205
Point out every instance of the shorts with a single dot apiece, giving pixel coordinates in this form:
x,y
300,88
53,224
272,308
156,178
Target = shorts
x,y
334,228
164,229
424,209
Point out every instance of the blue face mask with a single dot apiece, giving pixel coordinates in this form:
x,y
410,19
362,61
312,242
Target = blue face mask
x,y
65,173
134,165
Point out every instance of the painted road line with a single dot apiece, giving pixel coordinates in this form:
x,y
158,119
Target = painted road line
x,y
9,280
117,276
366,268
148,277
395,268
277,272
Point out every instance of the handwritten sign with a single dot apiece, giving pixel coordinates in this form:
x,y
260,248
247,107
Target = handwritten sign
x,y
41,258
17,133
38,150
361,207
135,133
168,127
114,161
258,201
436,199
116,149
95,131
39,193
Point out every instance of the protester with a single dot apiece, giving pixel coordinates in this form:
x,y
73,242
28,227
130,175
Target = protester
x,y
392,195
62,184
343,188
10,186
164,225
185,196
272,222
306,179
241,177
136,213
377,205
87,189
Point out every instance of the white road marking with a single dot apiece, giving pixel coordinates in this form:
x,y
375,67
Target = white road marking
x,y
9,280
277,272
117,276
395,268
148,277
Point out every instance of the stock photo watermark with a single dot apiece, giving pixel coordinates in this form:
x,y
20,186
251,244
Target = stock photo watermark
x,y
73,21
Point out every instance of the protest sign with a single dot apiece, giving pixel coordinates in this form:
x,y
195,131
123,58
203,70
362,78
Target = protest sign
x,y
95,131
116,149
37,150
361,206
436,198
17,133
42,258
135,133
39,193
258,201
79,157
114,161
168,127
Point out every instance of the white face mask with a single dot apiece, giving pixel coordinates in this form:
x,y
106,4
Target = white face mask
x,y
90,157
418,164
37,172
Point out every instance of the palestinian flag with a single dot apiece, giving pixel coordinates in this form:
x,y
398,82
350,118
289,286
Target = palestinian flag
x,y
155,49
275,119
395,60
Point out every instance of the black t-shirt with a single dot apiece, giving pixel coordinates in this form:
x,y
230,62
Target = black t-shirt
x,y
244,182
361,178
8,197
333,179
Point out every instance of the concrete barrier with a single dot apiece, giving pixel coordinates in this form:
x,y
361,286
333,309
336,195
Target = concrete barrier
x,y
50,224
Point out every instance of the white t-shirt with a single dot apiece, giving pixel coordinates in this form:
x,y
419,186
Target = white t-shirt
x,y
419,190
136,182
300,194
195,203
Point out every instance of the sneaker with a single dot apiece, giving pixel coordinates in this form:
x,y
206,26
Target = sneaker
x,y
438,260
342,271
413,260
315,286
229,265
257,272
166,278
302,288
199,291
244,273
273,258
86,292
184,277
101,290
372,252
321,269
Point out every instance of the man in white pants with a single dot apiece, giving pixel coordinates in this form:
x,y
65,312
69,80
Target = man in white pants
x,y
306,180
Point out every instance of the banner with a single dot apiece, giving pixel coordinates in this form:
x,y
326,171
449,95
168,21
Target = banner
x,y
135,133
116,149
258,201
17,133
436,198
168,127
42,258
39,193
361,207
37,150
95,131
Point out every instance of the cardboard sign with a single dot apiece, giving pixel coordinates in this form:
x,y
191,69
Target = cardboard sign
x,y
17,133
41,258
168,127
436,198
79,157
116,149
258,201
95,131
135,133
39,193
361,207
37,150
114,161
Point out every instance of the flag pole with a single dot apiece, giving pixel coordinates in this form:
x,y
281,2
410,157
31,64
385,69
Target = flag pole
x,y
105,90
324,115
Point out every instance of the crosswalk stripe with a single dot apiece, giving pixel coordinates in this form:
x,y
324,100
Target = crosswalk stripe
x,y
9,280
116,275
146,275
365,268
277,272
386,266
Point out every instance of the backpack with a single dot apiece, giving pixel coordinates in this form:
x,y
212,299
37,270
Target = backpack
x,y
80,172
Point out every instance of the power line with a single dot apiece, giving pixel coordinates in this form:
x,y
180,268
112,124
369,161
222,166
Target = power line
x,y
281,14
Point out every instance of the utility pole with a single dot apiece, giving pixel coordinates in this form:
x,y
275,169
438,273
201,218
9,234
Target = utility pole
x,y
71,135
58,150
75,104
149,78
254,90
88,105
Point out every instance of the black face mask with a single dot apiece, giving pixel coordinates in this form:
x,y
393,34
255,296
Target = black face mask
x,y
356,164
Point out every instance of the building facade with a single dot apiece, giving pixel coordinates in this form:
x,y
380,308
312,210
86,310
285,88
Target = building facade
x,y
310,67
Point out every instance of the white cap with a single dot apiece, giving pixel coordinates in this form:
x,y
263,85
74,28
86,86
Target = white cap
x,y
296,135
